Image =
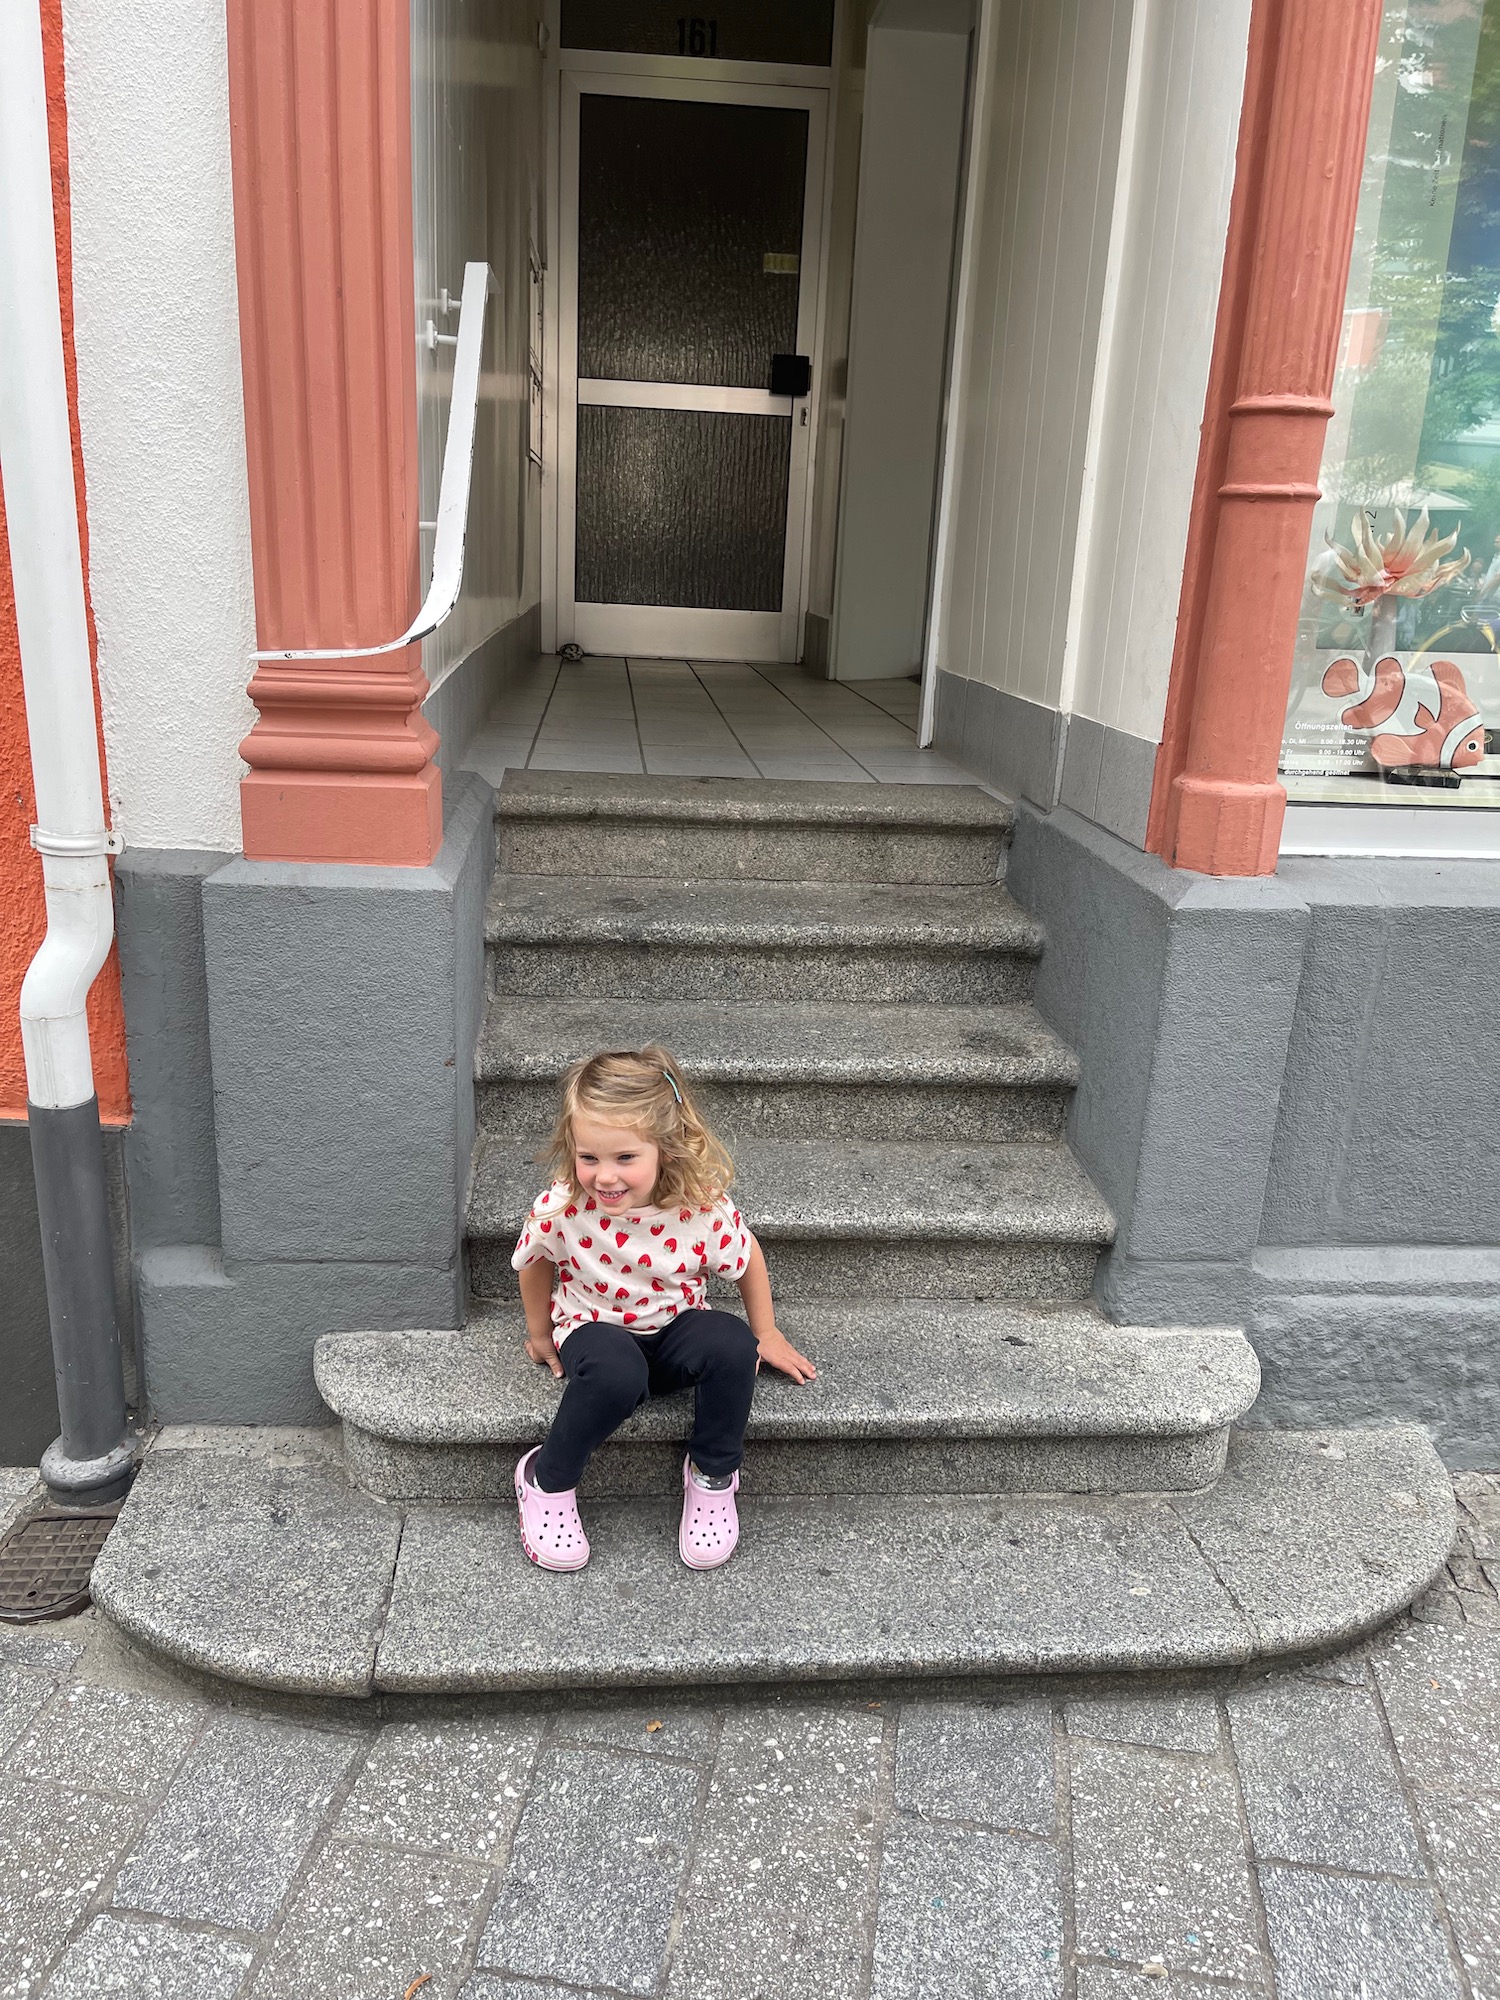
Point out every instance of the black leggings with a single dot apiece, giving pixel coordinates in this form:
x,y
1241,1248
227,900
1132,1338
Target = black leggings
x,y
611,1370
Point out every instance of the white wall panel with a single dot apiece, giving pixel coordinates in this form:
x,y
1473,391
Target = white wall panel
x,y
1107,172
477,193
1173,211
1040,257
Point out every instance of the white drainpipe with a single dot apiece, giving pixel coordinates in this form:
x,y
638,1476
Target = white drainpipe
x,y
91,1459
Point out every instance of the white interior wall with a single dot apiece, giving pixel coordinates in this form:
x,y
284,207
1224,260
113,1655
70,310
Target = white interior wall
x,y
1177,172
161,411
1022,404
908,192
477,175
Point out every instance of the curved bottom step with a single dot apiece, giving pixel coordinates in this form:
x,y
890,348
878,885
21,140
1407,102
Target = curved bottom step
x,y
289,1578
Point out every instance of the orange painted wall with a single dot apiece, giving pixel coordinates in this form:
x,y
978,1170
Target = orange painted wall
x,y
22,919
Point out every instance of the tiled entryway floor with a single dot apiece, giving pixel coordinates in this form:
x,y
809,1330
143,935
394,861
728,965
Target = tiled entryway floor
x,y
694,719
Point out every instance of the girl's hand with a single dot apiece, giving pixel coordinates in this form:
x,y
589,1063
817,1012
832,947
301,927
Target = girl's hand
x,y
543,1351
778,1352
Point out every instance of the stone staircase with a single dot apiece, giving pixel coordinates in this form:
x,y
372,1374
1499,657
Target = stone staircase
x,y
986,1477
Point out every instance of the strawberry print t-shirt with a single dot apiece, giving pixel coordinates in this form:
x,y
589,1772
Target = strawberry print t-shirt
x,y
637,1270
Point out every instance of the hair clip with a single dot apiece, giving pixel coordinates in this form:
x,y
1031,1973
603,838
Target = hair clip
x,y
673,1081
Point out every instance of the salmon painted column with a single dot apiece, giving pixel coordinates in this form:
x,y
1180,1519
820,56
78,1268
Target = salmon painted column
x,y
341,756
1218,806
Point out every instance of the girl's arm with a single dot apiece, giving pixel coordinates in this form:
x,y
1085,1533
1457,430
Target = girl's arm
x,y
775,1349
536,1295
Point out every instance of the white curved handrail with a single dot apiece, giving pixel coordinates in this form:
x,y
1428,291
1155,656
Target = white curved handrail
x,y
453,493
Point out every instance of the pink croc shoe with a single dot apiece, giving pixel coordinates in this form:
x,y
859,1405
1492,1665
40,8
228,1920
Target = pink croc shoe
x,y
710,1522
551,1532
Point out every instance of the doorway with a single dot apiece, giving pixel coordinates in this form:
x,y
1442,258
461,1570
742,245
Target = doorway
x,y
689,241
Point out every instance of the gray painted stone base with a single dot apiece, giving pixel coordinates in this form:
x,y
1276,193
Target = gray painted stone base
x,y
1278,1101
1346,1335
302,1057
278,1577
344,1009
778,1468
234,1343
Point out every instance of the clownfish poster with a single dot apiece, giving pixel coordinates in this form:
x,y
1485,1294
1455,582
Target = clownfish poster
x,y
1420,717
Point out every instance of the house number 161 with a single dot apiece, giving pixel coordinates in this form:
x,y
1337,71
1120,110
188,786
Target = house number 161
x,y
697,37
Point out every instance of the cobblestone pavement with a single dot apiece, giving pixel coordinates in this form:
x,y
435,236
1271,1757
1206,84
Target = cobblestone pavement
x,y
1318,1832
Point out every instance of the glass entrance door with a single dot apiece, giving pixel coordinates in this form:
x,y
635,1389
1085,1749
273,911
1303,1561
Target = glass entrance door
x,y
689,257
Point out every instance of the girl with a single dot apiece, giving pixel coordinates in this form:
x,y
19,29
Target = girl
x,y
613,1263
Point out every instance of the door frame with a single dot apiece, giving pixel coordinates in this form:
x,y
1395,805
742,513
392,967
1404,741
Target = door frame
x,y
671,631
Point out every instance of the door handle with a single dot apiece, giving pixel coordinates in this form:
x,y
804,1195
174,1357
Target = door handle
x,y
791,374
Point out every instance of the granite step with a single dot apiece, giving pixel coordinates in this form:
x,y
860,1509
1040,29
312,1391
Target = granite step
x,y
852,1218
795,1069
770,829
593,936
912,1396
289,1578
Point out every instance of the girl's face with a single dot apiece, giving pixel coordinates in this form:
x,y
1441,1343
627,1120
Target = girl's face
x,y
616,1166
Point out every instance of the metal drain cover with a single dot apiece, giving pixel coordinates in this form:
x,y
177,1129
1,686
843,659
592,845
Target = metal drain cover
x,y
46,1563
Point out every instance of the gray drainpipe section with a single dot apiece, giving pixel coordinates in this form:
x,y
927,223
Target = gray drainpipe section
x,y
92,1461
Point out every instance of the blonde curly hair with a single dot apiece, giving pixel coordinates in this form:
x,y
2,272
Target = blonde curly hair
x,y
643,1090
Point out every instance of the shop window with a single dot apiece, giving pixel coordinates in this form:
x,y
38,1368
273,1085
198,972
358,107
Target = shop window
x,y
1396,684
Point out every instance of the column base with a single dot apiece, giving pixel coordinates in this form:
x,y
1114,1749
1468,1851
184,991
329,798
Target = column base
x,y
87,1482
1225,826
390,819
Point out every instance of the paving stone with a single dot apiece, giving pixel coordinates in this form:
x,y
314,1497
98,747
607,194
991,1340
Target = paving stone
x,y
443,1787
967,1914
232,1828
1188,1721
1319,1780
1322,1535
1159,1866
23,1694
1336,1938
1441,1691
1463,1838
56,1847
495,1986
22,1648
595,1871
689,1733
1351,1669
367,1922
20,1489
108,1739
1439,1605
119,1958
782,1895
1120,1982
977,1761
